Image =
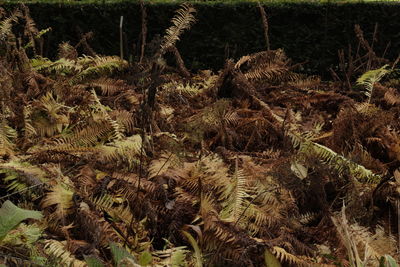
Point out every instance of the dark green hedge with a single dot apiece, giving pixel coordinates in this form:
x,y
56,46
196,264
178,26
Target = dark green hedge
x,y
307,32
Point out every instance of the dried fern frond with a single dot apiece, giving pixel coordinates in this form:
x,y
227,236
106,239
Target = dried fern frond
x,y
84,136
65,50
7,23
363,247
182,21
161,165
285,256
307,83
58,250
211,171
174,89
126,185
96,228
123,151
123,118
48,116
271,65
7,139
392,97
117,128
60,195
235,196
110,86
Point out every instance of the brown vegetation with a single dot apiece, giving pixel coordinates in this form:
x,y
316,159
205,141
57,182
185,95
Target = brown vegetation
x,y
143,163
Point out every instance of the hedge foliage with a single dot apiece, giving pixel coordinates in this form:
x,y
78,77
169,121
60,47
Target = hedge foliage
x,y
307,32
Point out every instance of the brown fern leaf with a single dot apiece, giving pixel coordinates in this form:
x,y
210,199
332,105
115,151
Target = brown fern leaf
x,y
65,50
124,118
182,21
96,229
110,86
271,65
392,97
308,83
30,25
285,256
127,183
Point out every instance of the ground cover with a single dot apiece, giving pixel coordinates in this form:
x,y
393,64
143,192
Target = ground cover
x,y
108,162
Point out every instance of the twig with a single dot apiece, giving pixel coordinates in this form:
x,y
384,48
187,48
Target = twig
x,y
143,32
121,46
179,62
265,25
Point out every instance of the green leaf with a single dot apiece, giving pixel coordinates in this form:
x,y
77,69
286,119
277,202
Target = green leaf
x,y
11,216
93,262
197,251
271,260
119,253
390,261
178,258
145,258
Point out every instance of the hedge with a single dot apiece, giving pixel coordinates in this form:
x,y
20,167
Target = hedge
x,y
307,32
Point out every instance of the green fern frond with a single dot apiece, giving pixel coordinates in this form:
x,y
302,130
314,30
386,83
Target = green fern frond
x,y
20,176
118,129
368,79
339,163
236,195
60,67
31,43
94,67
174,257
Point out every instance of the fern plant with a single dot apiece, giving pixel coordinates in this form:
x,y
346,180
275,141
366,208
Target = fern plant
x,y
370,78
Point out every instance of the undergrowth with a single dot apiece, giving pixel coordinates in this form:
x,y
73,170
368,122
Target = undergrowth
x,y
105,162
